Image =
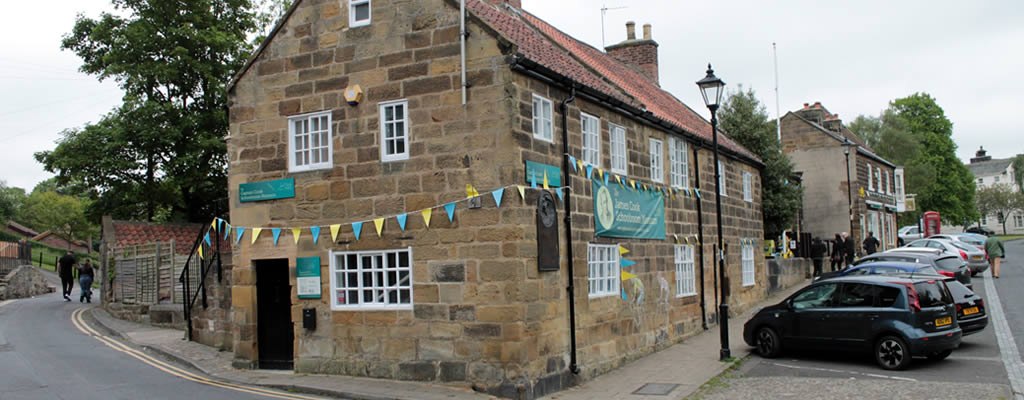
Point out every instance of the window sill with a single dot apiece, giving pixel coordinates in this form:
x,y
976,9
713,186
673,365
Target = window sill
x,y
403,307
306,168
601,295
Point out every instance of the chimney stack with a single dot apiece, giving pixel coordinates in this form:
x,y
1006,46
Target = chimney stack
x,y
641,54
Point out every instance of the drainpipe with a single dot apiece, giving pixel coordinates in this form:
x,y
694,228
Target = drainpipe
x,y
462,47
571,289
700,239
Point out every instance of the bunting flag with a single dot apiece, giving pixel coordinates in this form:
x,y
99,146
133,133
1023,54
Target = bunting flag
x,y
256,234
315,230
697,192
632,184
579,163
626,263
624,294
213,224
401,221
207,239
277,234
546,180
357,228
522,191
606,179
426,216
296,232
626,275
471,191
622,250
559,193
600,173
676,237
590,172
497,197
200,250
379,224
696,239
227,232
450,209
572,161
533,181
687,191
240,231
334,232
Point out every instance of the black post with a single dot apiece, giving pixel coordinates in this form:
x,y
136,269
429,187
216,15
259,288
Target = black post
x,y
849,186
566,177
700,239
723,307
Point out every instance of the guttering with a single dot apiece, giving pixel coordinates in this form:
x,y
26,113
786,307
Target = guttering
x,y
700,239
462,47
566,177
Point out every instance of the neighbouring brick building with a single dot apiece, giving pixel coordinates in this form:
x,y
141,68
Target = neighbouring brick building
x,y
818,143
464,299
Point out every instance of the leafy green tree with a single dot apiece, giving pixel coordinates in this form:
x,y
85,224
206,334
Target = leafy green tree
x,y
11,199
1018,171
868,128
1000,200
160,152
63,214
745,120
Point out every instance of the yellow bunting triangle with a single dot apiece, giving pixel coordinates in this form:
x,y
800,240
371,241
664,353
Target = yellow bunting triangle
x,y
334,232
256,234
545,180
600,173
627,276
632,183
579,163
522,191
379,224
200,249
295,234
676,237
213,224
471,191
426,215
623,250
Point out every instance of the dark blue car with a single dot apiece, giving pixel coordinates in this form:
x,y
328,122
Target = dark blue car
x,y
882,268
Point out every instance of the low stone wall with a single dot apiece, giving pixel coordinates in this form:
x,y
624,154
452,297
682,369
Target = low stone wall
x,y
785,273
23,281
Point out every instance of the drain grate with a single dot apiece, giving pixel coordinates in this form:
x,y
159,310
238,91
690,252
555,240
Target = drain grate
x,y
656,389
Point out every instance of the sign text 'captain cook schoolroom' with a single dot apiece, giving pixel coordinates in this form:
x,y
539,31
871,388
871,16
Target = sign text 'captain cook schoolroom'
x,y
624,213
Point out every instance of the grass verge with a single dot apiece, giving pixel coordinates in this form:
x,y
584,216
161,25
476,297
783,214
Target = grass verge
x,y
720,381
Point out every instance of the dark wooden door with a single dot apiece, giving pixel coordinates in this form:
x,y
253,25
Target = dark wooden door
x,y
274,329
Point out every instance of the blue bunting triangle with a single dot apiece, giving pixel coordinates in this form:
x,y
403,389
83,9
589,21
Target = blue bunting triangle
x,y
241,231
590,171
533,181
624,295
207,239
401,220
626,263
357,227
572,161
450,207
498,195
606,178
220,224
697,191
277,234
315,230
558,191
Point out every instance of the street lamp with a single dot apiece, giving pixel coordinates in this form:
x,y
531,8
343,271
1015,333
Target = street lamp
x,y
849,183
711,88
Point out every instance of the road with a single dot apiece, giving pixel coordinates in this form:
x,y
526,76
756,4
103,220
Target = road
x,y
978,369
50,350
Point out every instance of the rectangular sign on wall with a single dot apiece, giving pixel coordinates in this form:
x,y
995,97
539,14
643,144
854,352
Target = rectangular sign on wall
x,y
537,170
623,212
266,190
307,271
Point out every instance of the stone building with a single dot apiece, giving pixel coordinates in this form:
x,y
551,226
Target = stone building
x,y
990,171
354,155
830,156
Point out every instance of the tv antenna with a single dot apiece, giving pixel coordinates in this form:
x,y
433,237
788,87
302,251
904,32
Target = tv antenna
x,y
604,9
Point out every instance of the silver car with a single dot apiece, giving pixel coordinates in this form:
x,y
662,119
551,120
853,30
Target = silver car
x,y
974,257
970,239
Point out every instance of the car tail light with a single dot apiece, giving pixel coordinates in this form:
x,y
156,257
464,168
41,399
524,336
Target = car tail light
x,y
915,305
963,254
980,303
959,307
947,273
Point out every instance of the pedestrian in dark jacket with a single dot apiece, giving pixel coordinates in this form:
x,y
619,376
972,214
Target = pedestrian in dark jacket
x,y
65,269
870,244
995,250
85,277
817,254
850,247
837,253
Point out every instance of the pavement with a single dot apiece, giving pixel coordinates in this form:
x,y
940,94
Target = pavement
x,y
694,361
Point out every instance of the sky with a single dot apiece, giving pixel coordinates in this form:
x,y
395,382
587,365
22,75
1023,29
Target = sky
x,y
854,57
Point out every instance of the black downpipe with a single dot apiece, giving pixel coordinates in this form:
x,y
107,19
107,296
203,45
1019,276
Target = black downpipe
x,y
700,239
571,289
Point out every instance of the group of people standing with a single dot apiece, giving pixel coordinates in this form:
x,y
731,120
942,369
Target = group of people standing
x,y
842,253
67,268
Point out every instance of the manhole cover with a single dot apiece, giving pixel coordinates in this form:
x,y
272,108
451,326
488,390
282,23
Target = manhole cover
x,y
656,389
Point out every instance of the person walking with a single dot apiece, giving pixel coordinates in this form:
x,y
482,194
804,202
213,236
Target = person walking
x,y
817,254
65,269
837,253
85,276
850,247
870,244
994,248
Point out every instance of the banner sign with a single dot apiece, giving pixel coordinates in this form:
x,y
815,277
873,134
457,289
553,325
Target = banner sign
x,y
266,190
307,271
535,173
624,213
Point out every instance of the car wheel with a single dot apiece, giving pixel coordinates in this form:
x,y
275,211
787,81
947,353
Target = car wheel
x,y
939,356
768,343
892,353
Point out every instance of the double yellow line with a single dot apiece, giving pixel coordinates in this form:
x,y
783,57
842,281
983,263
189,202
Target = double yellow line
x,y
79,322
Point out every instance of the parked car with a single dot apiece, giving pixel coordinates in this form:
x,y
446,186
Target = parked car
x,y
909,233
896,318
970,308
981,230
882,268
947,264
974,256
969,238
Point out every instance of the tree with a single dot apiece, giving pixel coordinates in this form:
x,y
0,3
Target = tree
x,y
1000,200
63,214
11,199
868,128
1018,171
744,118
160,152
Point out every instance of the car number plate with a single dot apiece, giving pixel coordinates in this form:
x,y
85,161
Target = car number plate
x,y
943,321
972,310
975,257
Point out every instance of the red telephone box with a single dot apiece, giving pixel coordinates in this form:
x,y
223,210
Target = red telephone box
x,y
932,223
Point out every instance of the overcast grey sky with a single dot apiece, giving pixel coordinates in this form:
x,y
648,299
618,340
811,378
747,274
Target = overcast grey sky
x,y
854,57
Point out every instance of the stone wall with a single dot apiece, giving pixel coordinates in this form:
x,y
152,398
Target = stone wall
x,y
784,273
24,281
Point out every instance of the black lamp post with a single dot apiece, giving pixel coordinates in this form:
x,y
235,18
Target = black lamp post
x,y
711,88
849,183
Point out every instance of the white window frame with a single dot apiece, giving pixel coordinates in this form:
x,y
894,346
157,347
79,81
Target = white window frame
x,y
997,179
308,138
871,174
542,115
722,189
337,265
657,151
686,281
620,161
748,265
748,192
590,131
981,181
404,137
603,270
984,220
1018,220
352,4
679,160
878,179
886,181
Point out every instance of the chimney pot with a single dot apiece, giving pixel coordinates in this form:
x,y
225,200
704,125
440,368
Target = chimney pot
x,y
807,105
835,116
630,30
817,104
647,31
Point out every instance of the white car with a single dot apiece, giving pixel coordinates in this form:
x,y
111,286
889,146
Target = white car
x,y
974,257
909,233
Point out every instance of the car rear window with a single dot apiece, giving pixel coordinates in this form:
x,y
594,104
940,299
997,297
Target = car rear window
x,y
928,269
958,290
932,294
962,246
971,241
949,263
887,296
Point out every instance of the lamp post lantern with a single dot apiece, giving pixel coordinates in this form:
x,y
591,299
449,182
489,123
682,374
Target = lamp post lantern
x,y
849,184
711,88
